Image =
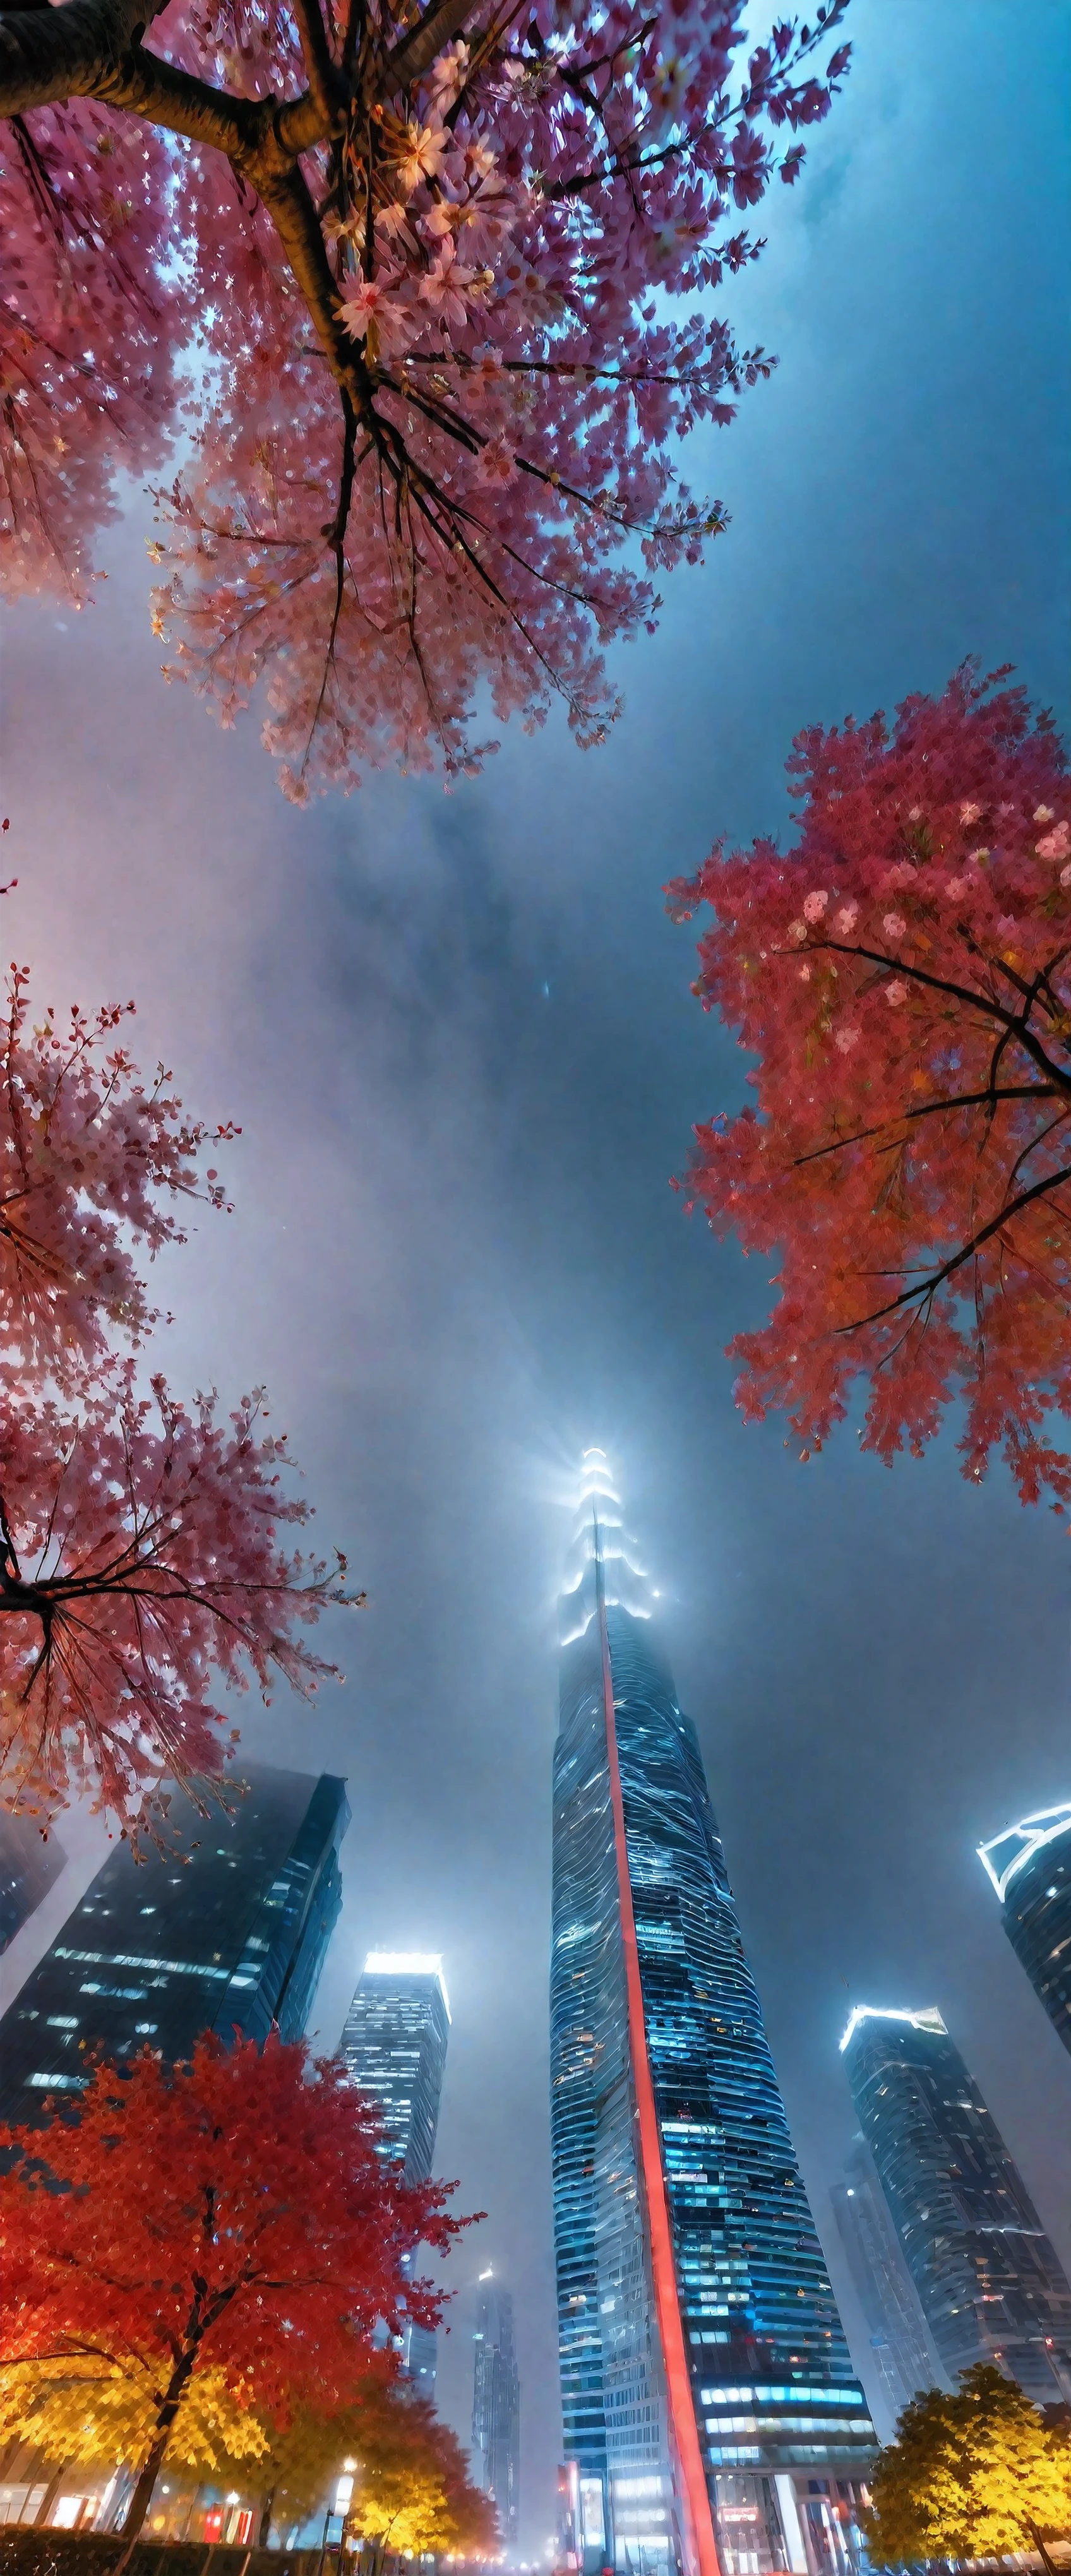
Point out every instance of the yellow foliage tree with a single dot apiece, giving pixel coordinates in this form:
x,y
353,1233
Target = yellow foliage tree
x,y
969,2476
98,2413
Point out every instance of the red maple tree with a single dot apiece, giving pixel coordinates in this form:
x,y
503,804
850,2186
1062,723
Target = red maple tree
x,y
143,1545
903,977
426,266
230,2215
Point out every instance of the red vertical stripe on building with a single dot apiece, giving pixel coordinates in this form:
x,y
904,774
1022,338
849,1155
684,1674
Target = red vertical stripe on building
x,y
699,2537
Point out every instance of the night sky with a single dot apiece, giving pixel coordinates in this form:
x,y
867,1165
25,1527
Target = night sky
x,y
458,1036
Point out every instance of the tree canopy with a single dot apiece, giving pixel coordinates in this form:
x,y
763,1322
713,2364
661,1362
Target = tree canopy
x,y
970,2475
399,290
145,1555
230,2217
902,977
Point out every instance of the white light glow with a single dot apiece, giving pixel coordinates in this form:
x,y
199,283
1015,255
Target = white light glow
x,y
1023,1840
408,1963
928,2019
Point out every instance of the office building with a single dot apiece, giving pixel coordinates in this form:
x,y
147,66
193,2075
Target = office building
x,y
902,2358
712,2415
496,2406
28,1866
988,2280
394,2047
1030,1867
231,1937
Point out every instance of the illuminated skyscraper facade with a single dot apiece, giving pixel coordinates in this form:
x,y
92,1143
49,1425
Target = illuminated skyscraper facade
x,y
496,2406
712,2417
902,2357
233,1936
394,2047
988,2279
1030,1867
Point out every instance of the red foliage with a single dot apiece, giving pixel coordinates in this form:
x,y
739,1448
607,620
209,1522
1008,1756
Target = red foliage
x,y
432,265
903,976
230,2215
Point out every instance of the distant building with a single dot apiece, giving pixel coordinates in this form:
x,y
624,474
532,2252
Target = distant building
x,y
902,2356
1030,1867
496,2407
28,1866
394,2047
989,2282
712,2416
160,1950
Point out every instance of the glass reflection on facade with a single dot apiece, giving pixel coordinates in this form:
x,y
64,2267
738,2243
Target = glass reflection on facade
x,y
394,2047
232,1936
712,2416
496,2406
1030,1867
902,2357
988,2279
28,1866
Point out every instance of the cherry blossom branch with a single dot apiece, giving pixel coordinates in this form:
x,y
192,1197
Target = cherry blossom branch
x,y
925,1109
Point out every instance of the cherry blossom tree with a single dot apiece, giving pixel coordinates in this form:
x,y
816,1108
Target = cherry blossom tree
x,y
407,283
145,1547
228,2220
902,975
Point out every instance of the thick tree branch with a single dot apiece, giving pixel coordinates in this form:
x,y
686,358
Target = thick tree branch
x,y
927,1109
324,84
416,53
51,54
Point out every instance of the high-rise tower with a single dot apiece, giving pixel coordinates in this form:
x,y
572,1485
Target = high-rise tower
x,y
903,2359
1030,1866
496,2405
988,2279
394,2047
233,1936
710,2406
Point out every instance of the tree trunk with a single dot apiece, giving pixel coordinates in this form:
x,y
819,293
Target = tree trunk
x,y
165,2425
1046,2561
265,2519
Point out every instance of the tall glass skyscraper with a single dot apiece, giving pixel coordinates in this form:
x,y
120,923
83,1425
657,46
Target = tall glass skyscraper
x,y
162,1949
394,2047
712,2417
496,2405
988,2279
1030,1867
903,2359
28,1866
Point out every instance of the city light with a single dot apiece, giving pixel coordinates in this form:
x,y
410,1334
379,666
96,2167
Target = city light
x,y
1026,1838
408,1963
928,2019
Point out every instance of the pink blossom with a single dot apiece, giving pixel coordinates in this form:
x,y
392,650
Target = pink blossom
x,y
1065,876
797,930
956,887
814,906
805,972
894,925
978,858
895,993
374,309
496,464
847,918
1043,814
425,149
845,1039
914,814
1006,924
970,813
1057,844
445,288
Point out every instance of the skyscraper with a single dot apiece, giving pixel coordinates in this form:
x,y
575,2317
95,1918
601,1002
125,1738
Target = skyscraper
x,y
1030,1866
903,2358
496,2405
162,1949
709,2401
394,2047
28,1866
988,2280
